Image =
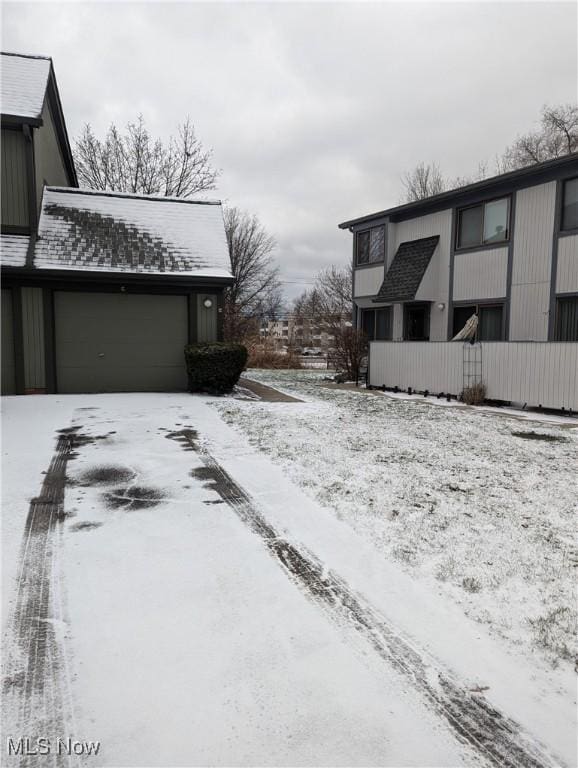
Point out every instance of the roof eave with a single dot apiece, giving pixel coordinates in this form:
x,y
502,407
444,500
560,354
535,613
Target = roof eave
x,y
529,172
11,120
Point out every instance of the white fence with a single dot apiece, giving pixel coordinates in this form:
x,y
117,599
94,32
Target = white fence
x,y
536,373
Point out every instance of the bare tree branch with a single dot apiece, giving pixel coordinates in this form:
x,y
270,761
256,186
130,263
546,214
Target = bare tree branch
x,y
135,162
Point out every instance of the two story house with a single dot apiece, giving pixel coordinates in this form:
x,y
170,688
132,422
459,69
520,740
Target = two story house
x,y
100,290
504,249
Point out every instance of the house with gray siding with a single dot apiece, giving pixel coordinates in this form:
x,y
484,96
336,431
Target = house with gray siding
x,y
504,249
100,290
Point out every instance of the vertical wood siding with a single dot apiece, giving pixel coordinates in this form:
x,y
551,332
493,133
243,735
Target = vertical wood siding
x,y
367,282
532,262
48,161
567,272
543,374
14,179
206,318
481,274
8,367
33,338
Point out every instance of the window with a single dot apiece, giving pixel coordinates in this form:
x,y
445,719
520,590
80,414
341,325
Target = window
x,y
370,246
484,224
567,319
490,320
416,322
570,205
377,323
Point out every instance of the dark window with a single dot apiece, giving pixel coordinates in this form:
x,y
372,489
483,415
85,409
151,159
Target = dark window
x,y
490,320
370,246
377,323
567,319
383,324
484,224
15,216
416,325
362,240
570,204
368,323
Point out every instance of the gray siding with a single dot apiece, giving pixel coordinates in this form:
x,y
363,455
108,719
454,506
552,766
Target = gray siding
x,y
481,274
14,179
8,367
49,165
435,285
206,318
532,263
367,281
567,272
33,338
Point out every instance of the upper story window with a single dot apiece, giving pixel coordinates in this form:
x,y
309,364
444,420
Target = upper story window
x,y
370,246
484,224
570,205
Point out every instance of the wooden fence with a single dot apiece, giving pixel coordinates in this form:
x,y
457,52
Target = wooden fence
x,y
536,373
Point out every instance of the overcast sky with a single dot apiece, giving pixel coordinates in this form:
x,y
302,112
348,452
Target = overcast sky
x,y
314,110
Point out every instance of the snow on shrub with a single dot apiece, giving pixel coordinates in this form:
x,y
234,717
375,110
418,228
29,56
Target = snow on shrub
x,y
214,367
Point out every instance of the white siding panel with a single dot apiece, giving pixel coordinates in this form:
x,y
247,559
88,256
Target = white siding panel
x,y
532,262
481,274
368,281
567,272
543,374
33,338
529,309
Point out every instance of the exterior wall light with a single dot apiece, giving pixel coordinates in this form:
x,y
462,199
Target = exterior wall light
x,y
208,303
441,306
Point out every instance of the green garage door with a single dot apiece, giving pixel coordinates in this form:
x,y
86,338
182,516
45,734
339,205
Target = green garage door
x,y
117,342
8,370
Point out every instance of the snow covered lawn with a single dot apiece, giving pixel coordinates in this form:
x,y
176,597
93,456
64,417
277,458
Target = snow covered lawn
x,y
170,593
479,505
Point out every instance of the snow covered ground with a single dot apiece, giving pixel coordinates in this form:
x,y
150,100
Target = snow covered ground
x,y
189,604
478,504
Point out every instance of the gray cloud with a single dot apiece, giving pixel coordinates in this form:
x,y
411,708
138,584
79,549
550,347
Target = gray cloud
x,y
314,111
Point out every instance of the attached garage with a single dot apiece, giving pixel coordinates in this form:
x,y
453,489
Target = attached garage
x,y
8,366
117,342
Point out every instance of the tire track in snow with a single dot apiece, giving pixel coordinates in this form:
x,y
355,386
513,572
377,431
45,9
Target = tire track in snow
x,y
36,681
496,737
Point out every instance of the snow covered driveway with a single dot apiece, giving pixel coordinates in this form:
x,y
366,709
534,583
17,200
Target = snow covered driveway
x,y
169,593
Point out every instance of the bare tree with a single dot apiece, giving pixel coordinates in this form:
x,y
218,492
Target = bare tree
x,y
423,181
135,162
557,135
350,351
257,288
335,288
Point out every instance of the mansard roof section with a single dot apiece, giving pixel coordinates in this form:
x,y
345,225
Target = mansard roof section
x,y
407,270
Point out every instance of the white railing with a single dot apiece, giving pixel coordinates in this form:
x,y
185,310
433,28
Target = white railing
x,y
536,373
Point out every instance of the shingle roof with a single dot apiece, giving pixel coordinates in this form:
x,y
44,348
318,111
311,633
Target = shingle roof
x,y
104,231
13,250
24,80
407,269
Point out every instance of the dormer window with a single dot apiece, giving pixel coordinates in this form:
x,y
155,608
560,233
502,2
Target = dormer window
x,y
370,246
484,224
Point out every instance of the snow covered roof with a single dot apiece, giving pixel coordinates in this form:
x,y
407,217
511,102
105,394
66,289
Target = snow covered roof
x,y
115,232
13,250
407,269
24,81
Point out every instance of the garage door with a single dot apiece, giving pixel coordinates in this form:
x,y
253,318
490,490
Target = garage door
x,y
8,370
115,342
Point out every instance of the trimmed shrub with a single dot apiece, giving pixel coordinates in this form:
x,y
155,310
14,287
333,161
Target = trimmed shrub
x,y
214,367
